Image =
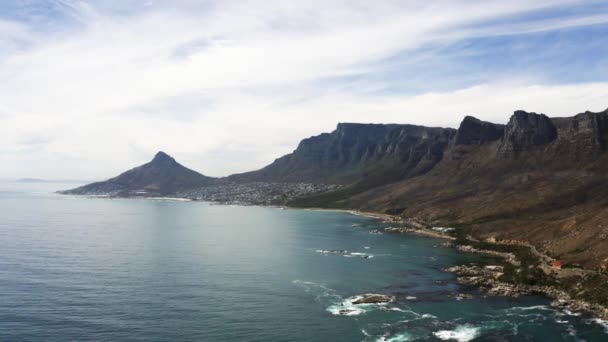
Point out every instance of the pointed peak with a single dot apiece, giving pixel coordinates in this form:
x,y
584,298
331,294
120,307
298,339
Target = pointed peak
x,y
473,131
162,157
469,118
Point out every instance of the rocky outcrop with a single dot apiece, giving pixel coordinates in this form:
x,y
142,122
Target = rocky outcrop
x,y
356,151
473,131
489,281
527,131
161,176
582,134
371,298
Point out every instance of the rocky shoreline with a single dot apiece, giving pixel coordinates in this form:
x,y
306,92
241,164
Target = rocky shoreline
x,y
487,279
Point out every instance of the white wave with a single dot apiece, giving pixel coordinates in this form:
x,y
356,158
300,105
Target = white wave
x,y
462,333
366,247
528,308
347,308
396,338
360,255
570,313
332,251
603,323
410,298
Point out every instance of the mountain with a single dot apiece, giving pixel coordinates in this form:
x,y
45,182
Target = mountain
x,y
538,179
370,154
161,176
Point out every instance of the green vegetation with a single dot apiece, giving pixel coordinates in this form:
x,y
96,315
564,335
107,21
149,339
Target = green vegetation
x,y
592,287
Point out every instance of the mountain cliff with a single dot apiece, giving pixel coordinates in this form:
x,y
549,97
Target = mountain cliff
x,y
161,176
537,179
358,153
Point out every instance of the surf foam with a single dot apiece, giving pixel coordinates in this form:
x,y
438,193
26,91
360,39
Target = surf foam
x,y
396,338
462,333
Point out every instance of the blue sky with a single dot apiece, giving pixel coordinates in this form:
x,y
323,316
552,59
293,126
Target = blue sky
x,y
89,88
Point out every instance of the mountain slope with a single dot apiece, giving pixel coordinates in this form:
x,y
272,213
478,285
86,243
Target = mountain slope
x,y
163,176
544,180
356,153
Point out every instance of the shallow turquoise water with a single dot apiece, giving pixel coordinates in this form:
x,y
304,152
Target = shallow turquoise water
x,y
155,270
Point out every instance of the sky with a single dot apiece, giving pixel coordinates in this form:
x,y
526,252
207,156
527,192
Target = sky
x,y
89,89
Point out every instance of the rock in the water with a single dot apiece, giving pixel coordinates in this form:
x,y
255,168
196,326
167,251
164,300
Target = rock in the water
x,y
372,298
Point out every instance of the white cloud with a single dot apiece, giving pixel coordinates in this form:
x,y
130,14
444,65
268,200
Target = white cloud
x,y
228,86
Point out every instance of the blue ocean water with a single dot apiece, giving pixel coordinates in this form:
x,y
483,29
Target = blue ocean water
x,y
75,268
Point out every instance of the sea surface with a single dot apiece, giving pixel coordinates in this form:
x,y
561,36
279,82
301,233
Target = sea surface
x,y
91,269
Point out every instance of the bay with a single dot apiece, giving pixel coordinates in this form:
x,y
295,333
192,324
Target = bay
x,y
77,268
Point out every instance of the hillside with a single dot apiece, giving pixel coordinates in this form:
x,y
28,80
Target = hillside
x,y
537,179
366,154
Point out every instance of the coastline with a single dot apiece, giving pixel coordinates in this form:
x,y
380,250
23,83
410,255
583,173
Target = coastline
x,y
488,281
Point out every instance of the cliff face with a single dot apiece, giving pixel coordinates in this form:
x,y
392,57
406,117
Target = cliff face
x,y
473,131
354,152
584,133
526,132
163,175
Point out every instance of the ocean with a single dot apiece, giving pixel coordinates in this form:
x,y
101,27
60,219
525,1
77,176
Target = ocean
x,y
94,269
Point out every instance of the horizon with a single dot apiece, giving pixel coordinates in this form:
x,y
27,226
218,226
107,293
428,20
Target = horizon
x,y
92,89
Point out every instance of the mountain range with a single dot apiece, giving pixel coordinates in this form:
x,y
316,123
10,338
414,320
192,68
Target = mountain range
x,y
535,179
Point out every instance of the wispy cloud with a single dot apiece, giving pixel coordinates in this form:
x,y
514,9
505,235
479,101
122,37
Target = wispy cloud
x,y
228,86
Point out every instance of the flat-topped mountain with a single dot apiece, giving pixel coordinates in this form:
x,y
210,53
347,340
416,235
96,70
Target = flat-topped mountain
x,y
161,176
373,153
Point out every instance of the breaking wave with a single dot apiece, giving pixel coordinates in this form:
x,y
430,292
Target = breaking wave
x,y
347,308
603,323
462,333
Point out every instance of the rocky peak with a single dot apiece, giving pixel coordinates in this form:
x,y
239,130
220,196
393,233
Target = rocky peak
x,y
473,131
161,176
583,133
163,158
527,131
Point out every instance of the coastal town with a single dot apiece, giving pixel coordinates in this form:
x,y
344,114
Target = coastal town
x,y
256,193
